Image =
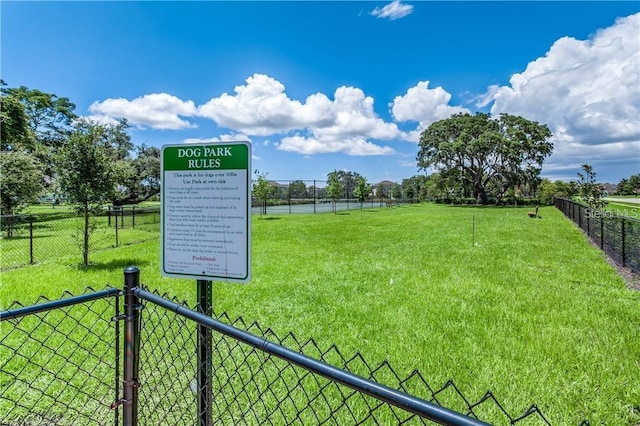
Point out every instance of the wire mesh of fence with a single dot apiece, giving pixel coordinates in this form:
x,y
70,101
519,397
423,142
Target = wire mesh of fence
x,y
59,362
252,386
28,239
617,235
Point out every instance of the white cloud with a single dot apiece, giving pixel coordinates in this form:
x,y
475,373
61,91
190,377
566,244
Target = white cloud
x,y
586,91
423,105
222,138
261,107
394,10
157,110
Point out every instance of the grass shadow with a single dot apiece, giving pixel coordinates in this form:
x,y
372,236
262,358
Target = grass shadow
x,y
270,218
112,265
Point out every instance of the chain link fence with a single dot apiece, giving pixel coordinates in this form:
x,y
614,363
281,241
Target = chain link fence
x,y
59,361
61,364
617,235
29,239
310,196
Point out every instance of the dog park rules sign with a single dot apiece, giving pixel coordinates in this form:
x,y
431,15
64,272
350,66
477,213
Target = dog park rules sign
x,y
206,211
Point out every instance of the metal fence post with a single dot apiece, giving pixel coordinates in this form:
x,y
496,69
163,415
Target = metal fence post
x,y
131,346
289,197
205,365
31,240
116,230
624,252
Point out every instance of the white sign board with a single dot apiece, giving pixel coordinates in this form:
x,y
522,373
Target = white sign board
x,y
206,211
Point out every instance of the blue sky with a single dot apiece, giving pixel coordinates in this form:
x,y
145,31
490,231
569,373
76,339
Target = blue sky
x,y
318,86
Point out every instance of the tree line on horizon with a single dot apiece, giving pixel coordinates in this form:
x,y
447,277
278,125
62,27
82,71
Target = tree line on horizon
x,y
47,148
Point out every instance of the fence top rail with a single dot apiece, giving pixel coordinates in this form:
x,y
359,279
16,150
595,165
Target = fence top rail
x,y
56,304
394,397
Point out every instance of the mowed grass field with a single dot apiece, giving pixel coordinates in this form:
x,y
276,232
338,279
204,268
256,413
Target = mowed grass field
x,y
485,296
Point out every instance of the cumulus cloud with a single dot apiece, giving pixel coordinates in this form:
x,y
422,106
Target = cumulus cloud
x,y
423,105
222,138
157,110
587,91
356,146
394,10
261,107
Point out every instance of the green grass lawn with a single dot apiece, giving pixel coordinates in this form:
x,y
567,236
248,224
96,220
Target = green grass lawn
x,y
524,307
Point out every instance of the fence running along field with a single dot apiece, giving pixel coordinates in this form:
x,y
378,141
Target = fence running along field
x,y
34,238
617,235
29,239
97,359
310,196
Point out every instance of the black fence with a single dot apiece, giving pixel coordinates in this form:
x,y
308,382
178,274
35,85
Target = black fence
x,y
136,357
616,234
310,196
28,239
60,361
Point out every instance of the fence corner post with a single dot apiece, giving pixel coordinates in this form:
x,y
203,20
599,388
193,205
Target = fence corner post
x,y
131,346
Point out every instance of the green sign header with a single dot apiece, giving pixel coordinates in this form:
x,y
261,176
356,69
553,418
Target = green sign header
x,y
206,157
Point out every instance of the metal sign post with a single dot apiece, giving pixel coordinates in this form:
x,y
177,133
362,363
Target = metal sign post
x,y
205,365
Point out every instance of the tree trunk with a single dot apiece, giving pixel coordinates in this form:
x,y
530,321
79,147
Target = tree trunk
x,y
481,194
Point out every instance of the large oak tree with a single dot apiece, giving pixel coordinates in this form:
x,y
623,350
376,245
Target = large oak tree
x,y
484,155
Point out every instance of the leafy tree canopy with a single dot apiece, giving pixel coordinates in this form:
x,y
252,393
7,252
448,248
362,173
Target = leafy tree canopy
x,y
630,186
348,180
261,188
589,189
298,189
50,117
21,181
85,167
15,133
483,155
362,190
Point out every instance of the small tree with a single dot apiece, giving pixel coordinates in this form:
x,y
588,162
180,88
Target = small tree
x,y
21,182
334,189
590,191
362,190
261,189
86,176
396,191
